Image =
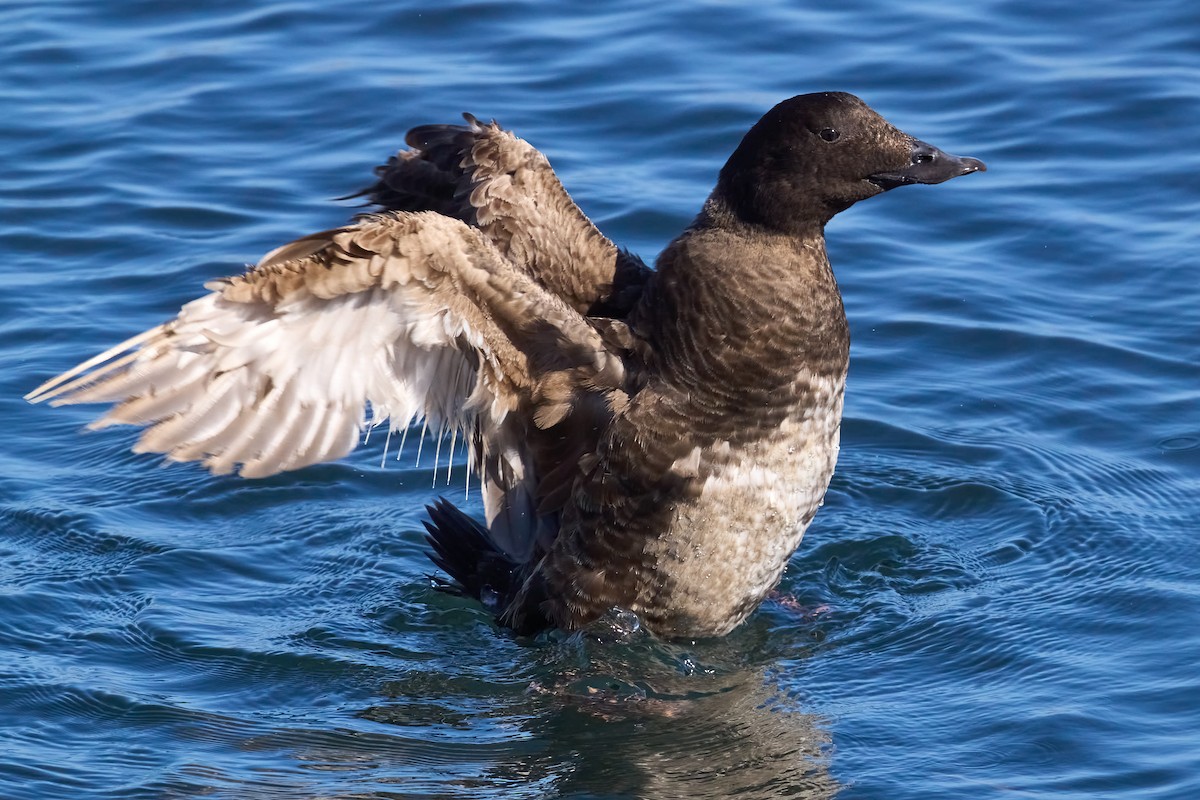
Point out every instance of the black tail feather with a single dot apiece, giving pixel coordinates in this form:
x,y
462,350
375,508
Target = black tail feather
x,y
478,568
463,549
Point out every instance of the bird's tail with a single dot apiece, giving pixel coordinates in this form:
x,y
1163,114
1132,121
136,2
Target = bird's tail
x,y
464,549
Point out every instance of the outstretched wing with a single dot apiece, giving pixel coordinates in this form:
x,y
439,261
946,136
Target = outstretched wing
x,y
397,317
487,177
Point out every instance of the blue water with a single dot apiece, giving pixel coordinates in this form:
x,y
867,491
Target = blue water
x,y
1000,598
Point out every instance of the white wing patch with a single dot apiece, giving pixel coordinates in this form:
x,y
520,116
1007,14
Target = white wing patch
x,y
399,317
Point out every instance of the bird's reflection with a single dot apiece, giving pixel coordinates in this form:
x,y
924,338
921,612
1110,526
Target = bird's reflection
x,y
612,712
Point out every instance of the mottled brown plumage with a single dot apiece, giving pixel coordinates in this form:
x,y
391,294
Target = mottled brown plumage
x,y
656,441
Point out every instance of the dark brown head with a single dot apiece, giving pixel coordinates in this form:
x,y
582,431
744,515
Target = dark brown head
x,y
815,155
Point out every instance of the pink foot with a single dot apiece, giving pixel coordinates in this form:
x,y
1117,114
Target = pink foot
x,y
806,613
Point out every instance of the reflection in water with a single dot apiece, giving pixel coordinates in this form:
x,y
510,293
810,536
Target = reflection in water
x,y
643,718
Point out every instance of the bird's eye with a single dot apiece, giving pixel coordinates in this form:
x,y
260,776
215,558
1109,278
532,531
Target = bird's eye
x,y
830,134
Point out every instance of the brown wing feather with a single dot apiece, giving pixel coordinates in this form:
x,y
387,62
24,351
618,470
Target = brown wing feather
x,y
408,315
489,178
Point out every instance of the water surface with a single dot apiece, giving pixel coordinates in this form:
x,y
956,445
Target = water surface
x,y
999,599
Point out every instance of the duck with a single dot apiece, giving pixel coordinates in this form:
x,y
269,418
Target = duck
x,y
649,440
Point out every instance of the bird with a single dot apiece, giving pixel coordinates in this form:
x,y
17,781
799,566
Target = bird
x,y
648,440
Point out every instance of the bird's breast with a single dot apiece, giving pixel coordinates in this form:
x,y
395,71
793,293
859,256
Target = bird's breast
x,y
728,543
716,528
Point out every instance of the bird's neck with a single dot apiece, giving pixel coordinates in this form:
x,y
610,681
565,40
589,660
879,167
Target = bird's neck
x,y
740,310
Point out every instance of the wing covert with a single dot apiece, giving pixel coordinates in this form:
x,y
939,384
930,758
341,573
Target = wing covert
x,y
397,317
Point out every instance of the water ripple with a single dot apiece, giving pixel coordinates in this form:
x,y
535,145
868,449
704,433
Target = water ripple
x,y
1001,588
